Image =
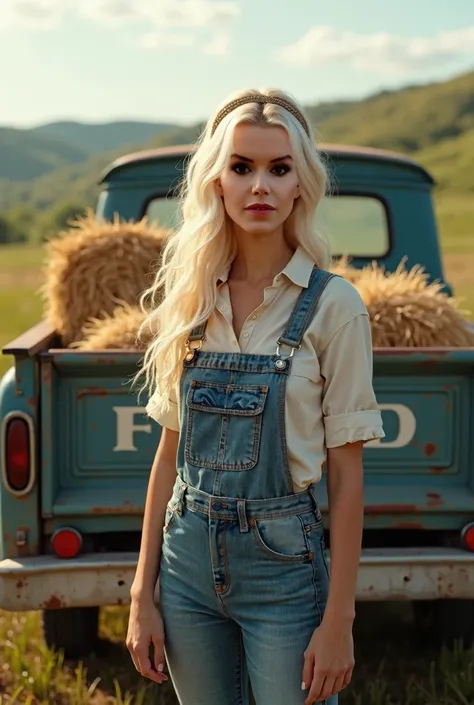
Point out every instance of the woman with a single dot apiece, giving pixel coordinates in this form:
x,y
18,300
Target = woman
x,y
261,372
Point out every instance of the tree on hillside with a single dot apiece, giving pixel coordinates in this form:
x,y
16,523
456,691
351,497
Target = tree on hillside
x,y
63,213
59,217
9,232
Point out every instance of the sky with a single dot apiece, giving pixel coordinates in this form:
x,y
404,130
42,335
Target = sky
x,y
177,60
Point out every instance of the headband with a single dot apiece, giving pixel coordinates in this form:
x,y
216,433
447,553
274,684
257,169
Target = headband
x,y
262,99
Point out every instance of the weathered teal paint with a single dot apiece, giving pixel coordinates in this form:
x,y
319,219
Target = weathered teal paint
x,y
88,480
19,393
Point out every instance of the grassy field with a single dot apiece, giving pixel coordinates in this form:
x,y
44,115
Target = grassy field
x,y
393,667
390,671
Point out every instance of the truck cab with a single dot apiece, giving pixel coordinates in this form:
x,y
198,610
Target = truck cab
x,y
76,447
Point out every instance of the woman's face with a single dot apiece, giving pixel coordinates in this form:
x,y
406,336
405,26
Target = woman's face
x,y
259,185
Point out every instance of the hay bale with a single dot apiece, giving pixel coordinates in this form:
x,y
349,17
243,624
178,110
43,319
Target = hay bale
x,y
342,268
118,331
94,266
407,311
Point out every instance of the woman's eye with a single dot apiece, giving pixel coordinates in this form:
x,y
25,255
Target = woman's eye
x,y
282,169
239,168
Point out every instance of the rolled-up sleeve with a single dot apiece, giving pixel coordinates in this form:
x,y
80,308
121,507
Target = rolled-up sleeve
x,y
167,419
349,405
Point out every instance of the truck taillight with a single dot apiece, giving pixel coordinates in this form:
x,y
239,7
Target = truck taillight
x,y
18,453
66,542
467,536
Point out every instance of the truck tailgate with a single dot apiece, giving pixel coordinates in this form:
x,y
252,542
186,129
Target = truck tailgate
x,y
98,446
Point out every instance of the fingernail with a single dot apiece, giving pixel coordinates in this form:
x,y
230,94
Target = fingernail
x,y
161,668
303,686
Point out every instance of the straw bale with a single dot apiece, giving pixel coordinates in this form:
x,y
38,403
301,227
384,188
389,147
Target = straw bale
x,y
118,331
406,310
342,268
94,266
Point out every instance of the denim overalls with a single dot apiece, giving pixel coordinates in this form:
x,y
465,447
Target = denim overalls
x,y
243,577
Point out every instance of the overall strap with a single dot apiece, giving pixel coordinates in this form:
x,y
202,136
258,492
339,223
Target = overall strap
x,y
305,308
198,333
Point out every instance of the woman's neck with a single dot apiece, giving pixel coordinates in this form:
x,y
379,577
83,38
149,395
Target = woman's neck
x,y
260,258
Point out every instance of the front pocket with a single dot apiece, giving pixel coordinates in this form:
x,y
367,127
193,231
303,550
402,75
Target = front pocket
x,y
282,538
224,425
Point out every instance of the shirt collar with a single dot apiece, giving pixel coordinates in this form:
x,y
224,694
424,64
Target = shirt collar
x,y
298,270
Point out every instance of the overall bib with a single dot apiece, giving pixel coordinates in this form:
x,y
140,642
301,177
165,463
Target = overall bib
x,y
243,576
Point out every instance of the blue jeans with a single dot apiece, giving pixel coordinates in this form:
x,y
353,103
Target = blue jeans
x,y
241,590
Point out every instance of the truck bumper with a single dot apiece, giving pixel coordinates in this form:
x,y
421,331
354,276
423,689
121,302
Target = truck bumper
x,y
47,582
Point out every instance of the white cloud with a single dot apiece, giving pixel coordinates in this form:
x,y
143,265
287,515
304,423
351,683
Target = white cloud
x,y
109,12
169,23
162,40
219,45
381,52
38,14
169,18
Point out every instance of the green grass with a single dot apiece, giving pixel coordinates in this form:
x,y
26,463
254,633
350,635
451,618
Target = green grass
x,y
455,215
20,304
21,259
392,666
20,308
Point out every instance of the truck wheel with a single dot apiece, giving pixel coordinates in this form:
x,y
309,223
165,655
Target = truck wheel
x,y
445,621
74,630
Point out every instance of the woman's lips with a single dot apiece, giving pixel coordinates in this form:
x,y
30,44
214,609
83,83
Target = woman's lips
x,y
260,208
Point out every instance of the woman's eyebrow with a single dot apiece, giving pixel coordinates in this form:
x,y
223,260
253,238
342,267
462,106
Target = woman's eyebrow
x,y
247,159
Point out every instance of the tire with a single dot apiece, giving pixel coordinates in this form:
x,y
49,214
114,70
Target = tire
x,y
74,630
445,622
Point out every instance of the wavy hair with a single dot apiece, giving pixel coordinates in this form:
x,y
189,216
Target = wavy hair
x,y
183,294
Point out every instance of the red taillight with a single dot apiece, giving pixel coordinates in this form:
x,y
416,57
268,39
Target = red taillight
x,y
66,542
467,536
17,456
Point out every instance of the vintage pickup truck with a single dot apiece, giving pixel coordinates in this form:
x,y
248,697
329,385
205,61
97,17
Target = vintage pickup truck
x,y
76,448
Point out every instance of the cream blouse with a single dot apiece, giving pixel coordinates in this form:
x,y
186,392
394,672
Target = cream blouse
x,y
330,399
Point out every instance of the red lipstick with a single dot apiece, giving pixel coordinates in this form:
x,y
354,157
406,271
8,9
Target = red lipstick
x,y
260,207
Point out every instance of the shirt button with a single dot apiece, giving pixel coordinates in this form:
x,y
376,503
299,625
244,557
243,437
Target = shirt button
x,y
246,335
254,316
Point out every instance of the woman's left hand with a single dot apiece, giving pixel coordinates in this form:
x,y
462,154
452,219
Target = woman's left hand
x,y
328,661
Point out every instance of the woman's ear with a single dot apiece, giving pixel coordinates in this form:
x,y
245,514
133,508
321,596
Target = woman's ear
x,y
219,187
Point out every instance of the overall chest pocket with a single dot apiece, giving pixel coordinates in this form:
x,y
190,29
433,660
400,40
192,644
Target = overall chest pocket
x,y
224,425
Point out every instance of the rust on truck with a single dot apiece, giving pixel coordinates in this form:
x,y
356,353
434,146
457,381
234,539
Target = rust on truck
x,y
96,391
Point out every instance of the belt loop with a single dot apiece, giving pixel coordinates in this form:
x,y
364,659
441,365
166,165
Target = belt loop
x,y
181,497
244,527
312,494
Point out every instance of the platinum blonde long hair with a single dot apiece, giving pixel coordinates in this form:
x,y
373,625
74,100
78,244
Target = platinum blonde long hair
x,y
184,290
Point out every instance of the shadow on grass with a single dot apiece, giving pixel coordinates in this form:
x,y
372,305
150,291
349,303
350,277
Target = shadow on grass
x,y
393,666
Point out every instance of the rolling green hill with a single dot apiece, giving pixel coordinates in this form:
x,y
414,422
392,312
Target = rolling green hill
x,y
26,155
408,120
434,123
91,139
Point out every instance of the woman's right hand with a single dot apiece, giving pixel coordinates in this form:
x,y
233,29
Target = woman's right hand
x,y
145,627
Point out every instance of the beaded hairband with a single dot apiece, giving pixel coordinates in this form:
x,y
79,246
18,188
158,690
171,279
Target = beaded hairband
x,y
259,99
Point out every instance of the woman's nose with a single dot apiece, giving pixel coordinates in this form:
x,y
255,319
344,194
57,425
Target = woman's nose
x,y
260,184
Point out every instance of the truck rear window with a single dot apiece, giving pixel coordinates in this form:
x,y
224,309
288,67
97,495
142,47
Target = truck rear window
x,y
357,226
